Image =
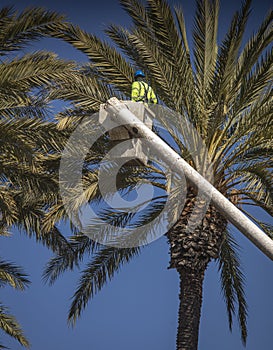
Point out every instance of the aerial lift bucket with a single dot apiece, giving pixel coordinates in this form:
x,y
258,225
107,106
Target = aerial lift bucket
x,y
132,149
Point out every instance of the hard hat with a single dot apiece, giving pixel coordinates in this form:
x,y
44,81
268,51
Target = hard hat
x,y
139,73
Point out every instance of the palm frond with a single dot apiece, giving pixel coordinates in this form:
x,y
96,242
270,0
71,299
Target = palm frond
x,y
110,64
86,93
226,65
254,48
260,154
265,226
17,30
99,270
30,221
119,227
77,247
241,135
164,29
30,135
136,10
232,281
205,48
254,83
8,207
53,216
264,203
33,70
256,180
182,28
10,326
13,275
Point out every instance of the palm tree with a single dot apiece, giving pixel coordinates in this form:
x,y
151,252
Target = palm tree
x,y
12,275
29,140
224,90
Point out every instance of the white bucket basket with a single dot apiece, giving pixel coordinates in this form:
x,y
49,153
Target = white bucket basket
x,y
133,147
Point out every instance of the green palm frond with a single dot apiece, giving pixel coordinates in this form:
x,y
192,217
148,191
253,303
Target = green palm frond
x,y
257,178
87,93
53,216
262,154
120,227
89,191
240,135
31,137
11,327
164,29
266,227
130,177
30,221
254,83
121,37
254,48
17,30
226,61
232,281
104,264
253,199
109,63
33,70
99,270
205,48
182,29
13,98
29,176
8,207
54,240
12,275
77,247
70,118
136,11
229,50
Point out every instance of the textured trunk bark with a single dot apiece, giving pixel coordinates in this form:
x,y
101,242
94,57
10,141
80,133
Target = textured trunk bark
x,y
191,290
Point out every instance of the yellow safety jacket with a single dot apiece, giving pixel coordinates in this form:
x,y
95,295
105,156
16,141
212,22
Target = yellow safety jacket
x,y
142,92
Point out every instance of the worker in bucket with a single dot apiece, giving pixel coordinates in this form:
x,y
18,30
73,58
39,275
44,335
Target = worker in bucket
x,y
141,91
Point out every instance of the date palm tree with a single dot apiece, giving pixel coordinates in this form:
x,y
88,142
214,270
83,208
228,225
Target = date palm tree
x,y
224,90
29,141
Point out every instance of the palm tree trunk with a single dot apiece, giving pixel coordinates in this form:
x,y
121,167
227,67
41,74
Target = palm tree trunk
x,y
191,290
190,252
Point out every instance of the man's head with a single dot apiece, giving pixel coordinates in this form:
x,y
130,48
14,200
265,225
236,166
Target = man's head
x,y
139,75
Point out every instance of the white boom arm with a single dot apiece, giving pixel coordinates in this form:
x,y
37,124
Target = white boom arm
x,y
122,115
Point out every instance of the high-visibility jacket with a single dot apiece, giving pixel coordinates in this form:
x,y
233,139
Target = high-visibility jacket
x,y
142,92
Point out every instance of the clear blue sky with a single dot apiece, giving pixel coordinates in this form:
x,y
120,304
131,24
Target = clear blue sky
x,y
138,309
